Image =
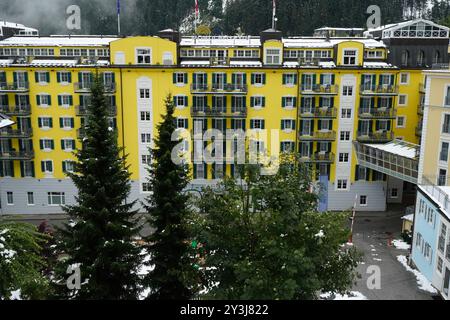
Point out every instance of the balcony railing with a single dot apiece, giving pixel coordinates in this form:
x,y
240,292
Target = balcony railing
x,y
319,157
16,110
377,113
319,89
419,130
422,87
318,112
85,87
8,133
420,109
317,136
14,86
16,155
82,111
381,136
223,88
236,112
383,90
304,62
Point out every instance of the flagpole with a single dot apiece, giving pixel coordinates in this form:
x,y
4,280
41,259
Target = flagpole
x,y
118,17
273,13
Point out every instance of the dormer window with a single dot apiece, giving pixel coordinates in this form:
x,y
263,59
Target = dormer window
x,y
143,56
349,57
273,56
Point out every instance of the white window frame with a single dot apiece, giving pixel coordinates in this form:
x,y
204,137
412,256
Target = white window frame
x,y
344,135
269,58
291,123
146,137
51,196
32,198
404,122
46,161
407,76
144,55
405,102
258,105
342,182
9,198
365,197
345,55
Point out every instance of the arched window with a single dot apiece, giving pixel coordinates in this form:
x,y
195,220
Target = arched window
x,y
405,57
437,57
421,58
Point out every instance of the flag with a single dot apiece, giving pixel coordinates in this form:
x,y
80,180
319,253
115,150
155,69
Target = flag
x,y
118,6
196,9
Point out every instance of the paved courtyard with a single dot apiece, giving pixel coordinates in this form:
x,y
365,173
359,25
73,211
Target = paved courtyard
x,y
371,234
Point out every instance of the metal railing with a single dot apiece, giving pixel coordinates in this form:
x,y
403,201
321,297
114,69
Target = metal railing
x,y
85,87
319,89
14,86
16,155
24,110
382,136
83,110
208,111
377,113
319,157
219,88
15,133
317,136
318,112
383,89
436,192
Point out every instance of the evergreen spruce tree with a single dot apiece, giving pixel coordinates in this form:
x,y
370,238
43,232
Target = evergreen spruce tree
x,y
167,209
100,236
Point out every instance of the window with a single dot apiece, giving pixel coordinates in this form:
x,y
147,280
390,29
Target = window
x,y
346,113
287,124
180,78
363,201
146,159
47,166
287,146
446,124
444,152
428,252
144,93
68,144
288,102
289,79
401,121
394,193
405,58
349,57
342,184
65,100
56,198
42,77
47,144
145,115
402,100
273,56
418,240
68,166
143,56
258,124
180,101
45,122
404,78
146,187
66,123
442,236
257,102
442,178
345,135
146,138
43,100
182,123
439,265
9,198
421,58
347,90
30,198
258,79
343,157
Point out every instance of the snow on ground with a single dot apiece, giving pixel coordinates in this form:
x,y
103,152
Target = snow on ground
x,y
400,244
16,295
422,282
353,295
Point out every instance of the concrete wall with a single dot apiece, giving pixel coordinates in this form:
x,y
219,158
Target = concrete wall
x,y
344,200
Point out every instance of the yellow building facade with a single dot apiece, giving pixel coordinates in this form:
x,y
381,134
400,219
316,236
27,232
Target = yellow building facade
x,y
317,94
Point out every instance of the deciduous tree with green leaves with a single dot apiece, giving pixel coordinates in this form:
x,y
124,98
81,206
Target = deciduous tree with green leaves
x,y
262,238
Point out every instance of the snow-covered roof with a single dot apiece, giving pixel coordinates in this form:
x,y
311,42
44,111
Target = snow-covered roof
x,y
408,217
221,41
327,64
302,42
397,147
377,65
439,194
57,41
195,63
54,62
6,62
245,63
15,25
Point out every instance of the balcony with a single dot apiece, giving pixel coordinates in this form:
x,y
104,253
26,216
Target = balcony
x,y
219,88
81,111
319,157
379,90
16,110
14,87
9,133
420,109
419,131
201,112
16,155
327,113
377,113
317,136
319,89
422,88
85,87
308,62
375,137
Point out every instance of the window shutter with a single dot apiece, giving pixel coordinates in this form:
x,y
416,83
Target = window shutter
x,y
64,166
379,102
252,101
33,174
283,102
263,101
332,102
388,125
52,143
233,78
312,126
205,169
73,145
62,144
36,76
58,77
252,78
70,77
357,172
392,79
51,122
282,125
194,169
71,100
321,79
49,99
80,77
333,78
314,79
319,124
367,174
43,166
40,122
15,77
22,169
38,100
263,124
252,124
295,102
61,123
264,78
370,126
174,77
244,77
41,144
320,102
72,123
51,166
293,124
47,76
284,79
59,100
232,123
185,79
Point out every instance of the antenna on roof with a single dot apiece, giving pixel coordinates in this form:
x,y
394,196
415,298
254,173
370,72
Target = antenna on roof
x,y
274,12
